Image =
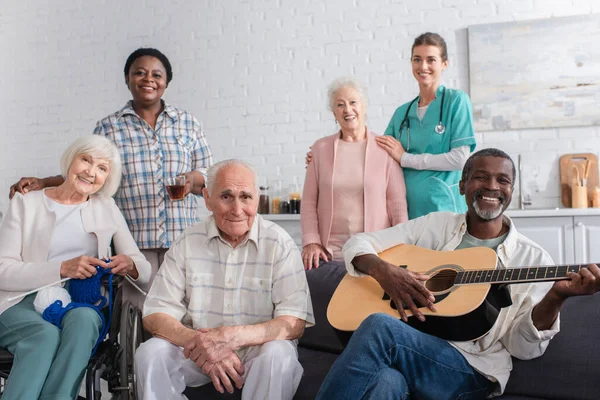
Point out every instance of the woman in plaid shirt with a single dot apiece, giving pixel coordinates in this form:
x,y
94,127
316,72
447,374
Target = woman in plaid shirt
x,y
155,141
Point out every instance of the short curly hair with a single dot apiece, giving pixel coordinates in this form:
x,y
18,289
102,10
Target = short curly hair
x,y
148,51
489,152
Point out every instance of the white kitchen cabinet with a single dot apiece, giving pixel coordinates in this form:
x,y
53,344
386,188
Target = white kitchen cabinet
x,y
554,234
570,236
587,239
569,239
289,222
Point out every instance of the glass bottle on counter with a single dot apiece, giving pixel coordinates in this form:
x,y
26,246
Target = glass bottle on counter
x,y
263,201
295,200
276,201
284,204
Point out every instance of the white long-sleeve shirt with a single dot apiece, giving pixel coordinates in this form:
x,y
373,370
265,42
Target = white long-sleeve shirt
x,y
453,160
513,333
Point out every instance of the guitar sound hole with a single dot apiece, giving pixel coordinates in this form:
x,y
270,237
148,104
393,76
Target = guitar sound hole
x,y
441,280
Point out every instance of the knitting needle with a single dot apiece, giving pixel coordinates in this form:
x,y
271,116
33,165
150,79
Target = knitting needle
x,y
64,280
134,285
129,279
38,289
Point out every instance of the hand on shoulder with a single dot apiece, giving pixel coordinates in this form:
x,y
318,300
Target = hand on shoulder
x,y
26,184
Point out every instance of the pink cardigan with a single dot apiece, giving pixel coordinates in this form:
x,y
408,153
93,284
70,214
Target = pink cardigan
x,y
384,190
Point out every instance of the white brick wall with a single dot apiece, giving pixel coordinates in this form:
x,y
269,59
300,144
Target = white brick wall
x,y
254,72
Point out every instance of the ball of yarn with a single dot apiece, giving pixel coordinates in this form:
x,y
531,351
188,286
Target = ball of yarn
x,y
47,296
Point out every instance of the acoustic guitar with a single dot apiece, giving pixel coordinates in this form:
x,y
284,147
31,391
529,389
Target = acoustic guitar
x,y
460,280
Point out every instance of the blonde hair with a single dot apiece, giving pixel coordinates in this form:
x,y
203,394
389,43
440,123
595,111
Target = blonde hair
x,y
97,147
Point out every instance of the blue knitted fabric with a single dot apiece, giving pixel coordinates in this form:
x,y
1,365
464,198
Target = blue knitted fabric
x,y
84,293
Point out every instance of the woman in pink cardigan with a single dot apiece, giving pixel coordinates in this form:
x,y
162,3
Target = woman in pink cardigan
x,y
352,185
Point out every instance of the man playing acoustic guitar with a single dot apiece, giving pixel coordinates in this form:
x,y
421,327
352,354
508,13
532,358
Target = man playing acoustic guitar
x,y
386,358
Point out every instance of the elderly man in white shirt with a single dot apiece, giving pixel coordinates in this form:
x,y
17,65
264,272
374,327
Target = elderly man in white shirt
x,y
387,358
228,303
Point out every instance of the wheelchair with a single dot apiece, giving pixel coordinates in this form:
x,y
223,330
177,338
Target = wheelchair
x,y
114,358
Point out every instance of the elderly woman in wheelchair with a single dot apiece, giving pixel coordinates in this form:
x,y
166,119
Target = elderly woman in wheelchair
x,y
50,236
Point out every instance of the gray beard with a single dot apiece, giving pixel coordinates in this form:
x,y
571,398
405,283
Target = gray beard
x,y
487,215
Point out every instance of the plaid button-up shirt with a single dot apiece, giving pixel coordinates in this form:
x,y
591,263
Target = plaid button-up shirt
x,y
176,146
205,283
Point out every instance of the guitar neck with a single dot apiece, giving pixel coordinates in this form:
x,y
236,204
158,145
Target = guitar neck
x,y
516,275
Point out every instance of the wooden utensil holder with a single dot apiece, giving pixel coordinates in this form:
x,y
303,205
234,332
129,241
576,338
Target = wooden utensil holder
x,y
568,175
579,196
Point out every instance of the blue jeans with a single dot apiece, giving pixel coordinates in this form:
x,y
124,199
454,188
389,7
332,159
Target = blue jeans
x,y
387,359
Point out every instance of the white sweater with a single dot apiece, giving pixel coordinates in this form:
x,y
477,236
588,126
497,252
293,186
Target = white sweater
x,y
25,236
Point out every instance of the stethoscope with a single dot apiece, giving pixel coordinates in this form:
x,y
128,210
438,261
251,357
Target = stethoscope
x,y
439,128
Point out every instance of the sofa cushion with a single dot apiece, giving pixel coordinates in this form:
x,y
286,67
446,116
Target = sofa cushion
x,y
570,367
316,364
322,282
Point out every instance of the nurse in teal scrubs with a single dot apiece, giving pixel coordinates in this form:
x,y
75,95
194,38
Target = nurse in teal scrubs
x,y
432,135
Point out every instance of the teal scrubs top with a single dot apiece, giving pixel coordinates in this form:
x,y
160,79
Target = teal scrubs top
x,y
427,190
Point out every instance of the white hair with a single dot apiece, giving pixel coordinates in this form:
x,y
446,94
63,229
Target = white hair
x,y
213,171
346,82
97,147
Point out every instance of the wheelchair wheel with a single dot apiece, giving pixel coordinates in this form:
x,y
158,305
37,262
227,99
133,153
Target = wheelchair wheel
x,y
131,337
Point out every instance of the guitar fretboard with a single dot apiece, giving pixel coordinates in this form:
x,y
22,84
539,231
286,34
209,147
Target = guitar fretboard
x,y
515,275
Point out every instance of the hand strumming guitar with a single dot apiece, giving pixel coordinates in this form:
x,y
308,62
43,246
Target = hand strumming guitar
x,y
402,285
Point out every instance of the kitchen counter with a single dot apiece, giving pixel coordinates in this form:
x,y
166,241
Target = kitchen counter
x,y
281,217
552,212
568,234
511,212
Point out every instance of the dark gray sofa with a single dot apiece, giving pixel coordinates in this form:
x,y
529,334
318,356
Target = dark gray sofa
x,y
569,370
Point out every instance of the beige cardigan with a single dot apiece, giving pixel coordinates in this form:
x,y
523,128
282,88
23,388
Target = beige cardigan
x,y
25,236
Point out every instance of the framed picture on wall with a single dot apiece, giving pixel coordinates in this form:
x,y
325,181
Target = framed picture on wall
x,y
535,74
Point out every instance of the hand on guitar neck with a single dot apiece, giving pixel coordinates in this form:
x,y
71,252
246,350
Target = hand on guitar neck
x,y
586,282
402,285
